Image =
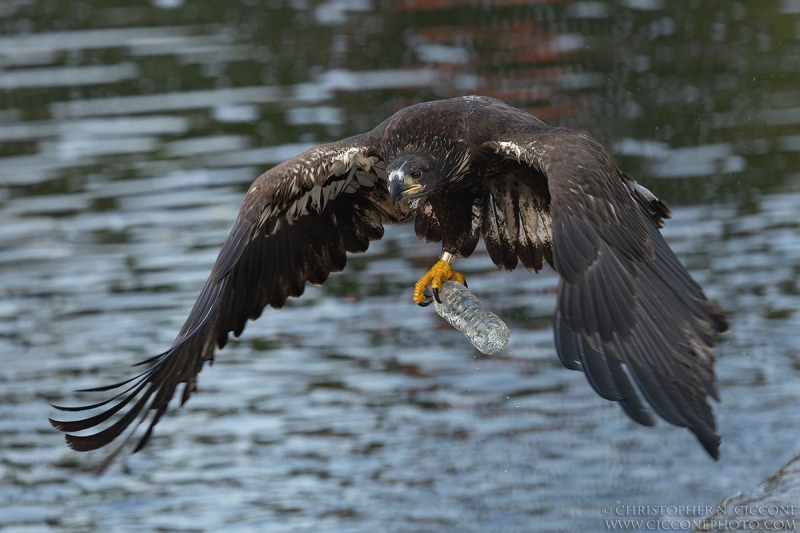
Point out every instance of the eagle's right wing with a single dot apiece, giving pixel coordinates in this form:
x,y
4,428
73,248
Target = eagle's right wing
x,y
295,225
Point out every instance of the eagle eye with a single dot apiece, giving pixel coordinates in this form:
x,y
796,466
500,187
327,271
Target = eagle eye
x,y
416,174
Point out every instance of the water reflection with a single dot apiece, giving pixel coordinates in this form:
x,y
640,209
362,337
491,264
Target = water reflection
x,y
128,137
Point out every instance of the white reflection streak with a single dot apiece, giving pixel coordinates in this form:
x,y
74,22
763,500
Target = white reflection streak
x,y
67,76
59,41
668,162
319,90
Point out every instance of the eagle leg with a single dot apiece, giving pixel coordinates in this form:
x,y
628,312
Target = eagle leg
x,y
439,273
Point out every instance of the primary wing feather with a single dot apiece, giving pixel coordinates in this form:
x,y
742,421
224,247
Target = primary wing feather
x,y
296,225
628,312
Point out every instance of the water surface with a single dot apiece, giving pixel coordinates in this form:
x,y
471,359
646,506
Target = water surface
x,y
128,136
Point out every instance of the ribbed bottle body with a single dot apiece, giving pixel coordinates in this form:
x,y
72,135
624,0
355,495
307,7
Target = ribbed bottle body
x,y
465,312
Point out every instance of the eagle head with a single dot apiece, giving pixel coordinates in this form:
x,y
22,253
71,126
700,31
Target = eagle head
x,y
420,173
413,176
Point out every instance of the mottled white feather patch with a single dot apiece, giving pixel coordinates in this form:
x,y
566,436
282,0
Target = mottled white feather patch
x,y
529,153
318,179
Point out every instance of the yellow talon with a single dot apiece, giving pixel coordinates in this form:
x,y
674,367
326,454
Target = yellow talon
x,y
435,277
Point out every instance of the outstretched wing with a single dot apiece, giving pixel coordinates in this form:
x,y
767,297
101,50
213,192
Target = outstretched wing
x,y
628,311
296,224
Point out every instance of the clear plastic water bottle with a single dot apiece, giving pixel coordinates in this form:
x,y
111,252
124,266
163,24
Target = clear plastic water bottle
x,y
465,312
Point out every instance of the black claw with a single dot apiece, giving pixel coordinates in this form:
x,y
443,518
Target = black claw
x,y
465,284
428,300
436,296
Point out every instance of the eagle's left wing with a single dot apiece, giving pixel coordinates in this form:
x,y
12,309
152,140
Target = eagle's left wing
x,y
628,311
295,225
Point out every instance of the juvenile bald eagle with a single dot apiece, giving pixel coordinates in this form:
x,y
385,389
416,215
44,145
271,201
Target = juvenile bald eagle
x,y
628,313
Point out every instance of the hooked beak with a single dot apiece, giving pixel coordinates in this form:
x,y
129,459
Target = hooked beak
x,y
401,185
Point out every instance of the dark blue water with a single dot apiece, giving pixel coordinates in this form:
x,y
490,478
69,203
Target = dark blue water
x,y
128,136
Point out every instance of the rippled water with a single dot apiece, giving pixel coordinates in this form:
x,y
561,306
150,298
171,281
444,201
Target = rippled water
x,y
128,136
